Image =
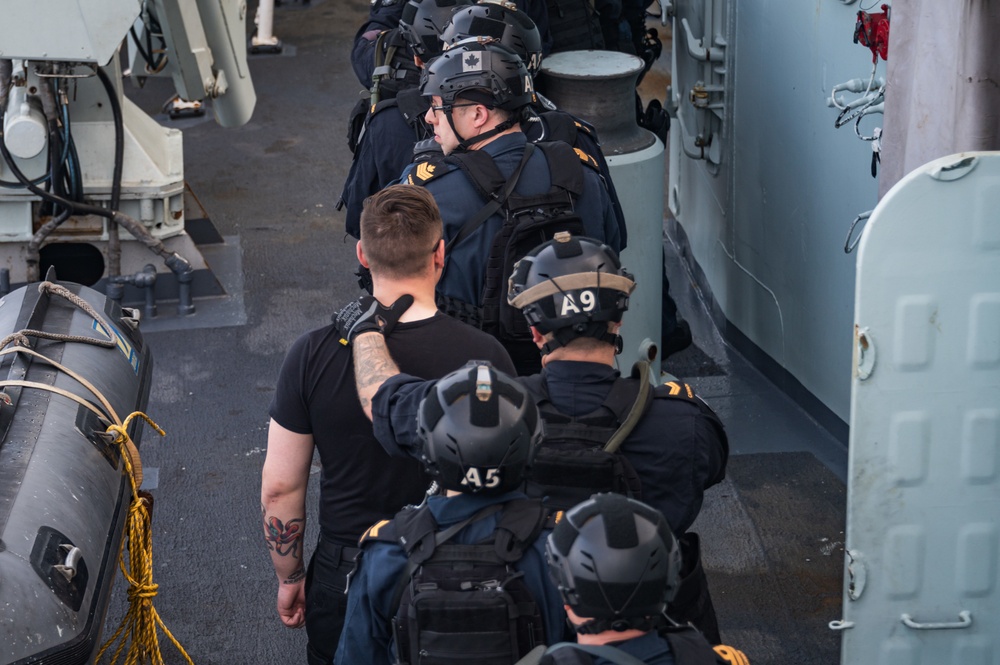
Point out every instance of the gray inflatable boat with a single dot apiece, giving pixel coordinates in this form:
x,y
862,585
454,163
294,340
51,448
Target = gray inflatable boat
x,y
64,494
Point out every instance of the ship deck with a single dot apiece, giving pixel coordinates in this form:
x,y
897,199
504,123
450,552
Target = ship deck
x,y
772,531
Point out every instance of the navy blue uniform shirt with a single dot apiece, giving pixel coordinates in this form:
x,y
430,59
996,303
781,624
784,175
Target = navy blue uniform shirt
x,y
465,265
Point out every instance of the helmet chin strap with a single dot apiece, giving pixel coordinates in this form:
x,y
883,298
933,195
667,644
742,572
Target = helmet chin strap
x,y
596,329
463,143
620,625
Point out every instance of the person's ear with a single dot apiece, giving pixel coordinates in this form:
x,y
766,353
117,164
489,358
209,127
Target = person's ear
x,y
361,255
537,337
481,115
439,254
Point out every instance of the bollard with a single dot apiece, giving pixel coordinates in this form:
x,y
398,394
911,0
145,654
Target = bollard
x,y
599,87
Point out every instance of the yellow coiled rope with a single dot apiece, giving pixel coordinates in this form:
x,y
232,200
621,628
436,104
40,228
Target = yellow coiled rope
x,y
138,627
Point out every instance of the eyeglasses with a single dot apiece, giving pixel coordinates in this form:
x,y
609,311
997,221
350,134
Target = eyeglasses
x,y
448,107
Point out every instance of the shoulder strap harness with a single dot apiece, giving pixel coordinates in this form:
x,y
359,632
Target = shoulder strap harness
x,y
419,534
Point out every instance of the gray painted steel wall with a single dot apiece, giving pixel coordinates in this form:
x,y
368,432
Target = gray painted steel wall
x,y
768,227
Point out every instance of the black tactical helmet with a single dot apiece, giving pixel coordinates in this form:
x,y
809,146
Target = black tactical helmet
x,y
487,73
503,21
571,287
614,560
422,22
479,428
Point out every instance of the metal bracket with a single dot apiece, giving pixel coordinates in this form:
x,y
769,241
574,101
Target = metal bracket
x,y
864,346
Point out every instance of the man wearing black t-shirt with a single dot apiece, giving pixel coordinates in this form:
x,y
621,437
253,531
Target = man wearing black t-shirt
x,y
316,407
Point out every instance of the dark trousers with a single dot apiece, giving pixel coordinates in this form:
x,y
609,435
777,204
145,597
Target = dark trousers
x,y
326,598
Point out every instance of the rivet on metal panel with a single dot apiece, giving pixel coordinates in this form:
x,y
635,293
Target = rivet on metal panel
x,y
964,621
955,170
865,347
858,573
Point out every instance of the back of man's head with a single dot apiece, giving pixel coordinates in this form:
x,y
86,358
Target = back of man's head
x,y
400,229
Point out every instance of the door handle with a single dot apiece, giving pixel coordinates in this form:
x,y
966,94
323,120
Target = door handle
x,y
964,621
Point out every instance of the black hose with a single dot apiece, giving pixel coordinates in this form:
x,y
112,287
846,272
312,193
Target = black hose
x,y
133,226
180,266
79,208
114,243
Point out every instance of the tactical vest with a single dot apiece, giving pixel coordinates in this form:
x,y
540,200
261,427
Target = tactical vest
x,y
464,603
574,25
528,222
571,463
409,103
394,73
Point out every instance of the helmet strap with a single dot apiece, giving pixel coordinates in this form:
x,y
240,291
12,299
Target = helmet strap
x,y
465,143
621,624
596,329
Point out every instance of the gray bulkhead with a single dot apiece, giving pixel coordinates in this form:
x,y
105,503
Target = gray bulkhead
x,y
767,208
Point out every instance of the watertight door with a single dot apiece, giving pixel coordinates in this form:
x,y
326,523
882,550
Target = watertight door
x,y
924,469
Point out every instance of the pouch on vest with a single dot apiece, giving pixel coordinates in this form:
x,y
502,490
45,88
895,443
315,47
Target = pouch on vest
x,y
574,25
394,72
571,463
356,122
693,603
467,603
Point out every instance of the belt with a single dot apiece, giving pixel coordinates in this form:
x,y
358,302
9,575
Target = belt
x,y
337,551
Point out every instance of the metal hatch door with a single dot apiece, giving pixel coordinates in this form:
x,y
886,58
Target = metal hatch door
x,y
924,465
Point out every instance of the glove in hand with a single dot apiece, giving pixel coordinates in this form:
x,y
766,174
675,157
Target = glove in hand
x,y
366,314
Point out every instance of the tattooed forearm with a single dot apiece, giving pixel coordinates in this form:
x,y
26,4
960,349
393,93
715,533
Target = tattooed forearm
x,y
372,367
284,538
296,577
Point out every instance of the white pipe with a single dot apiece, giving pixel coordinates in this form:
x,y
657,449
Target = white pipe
x,y
264,20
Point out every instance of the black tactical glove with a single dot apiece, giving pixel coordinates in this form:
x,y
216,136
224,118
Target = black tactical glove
x,y
366,314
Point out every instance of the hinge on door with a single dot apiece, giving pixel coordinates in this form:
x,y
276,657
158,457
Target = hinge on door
x,y
858,575
864,352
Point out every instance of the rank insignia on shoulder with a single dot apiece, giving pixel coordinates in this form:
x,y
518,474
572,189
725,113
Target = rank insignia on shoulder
x,y
372,532
585,158
679,389
425,171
